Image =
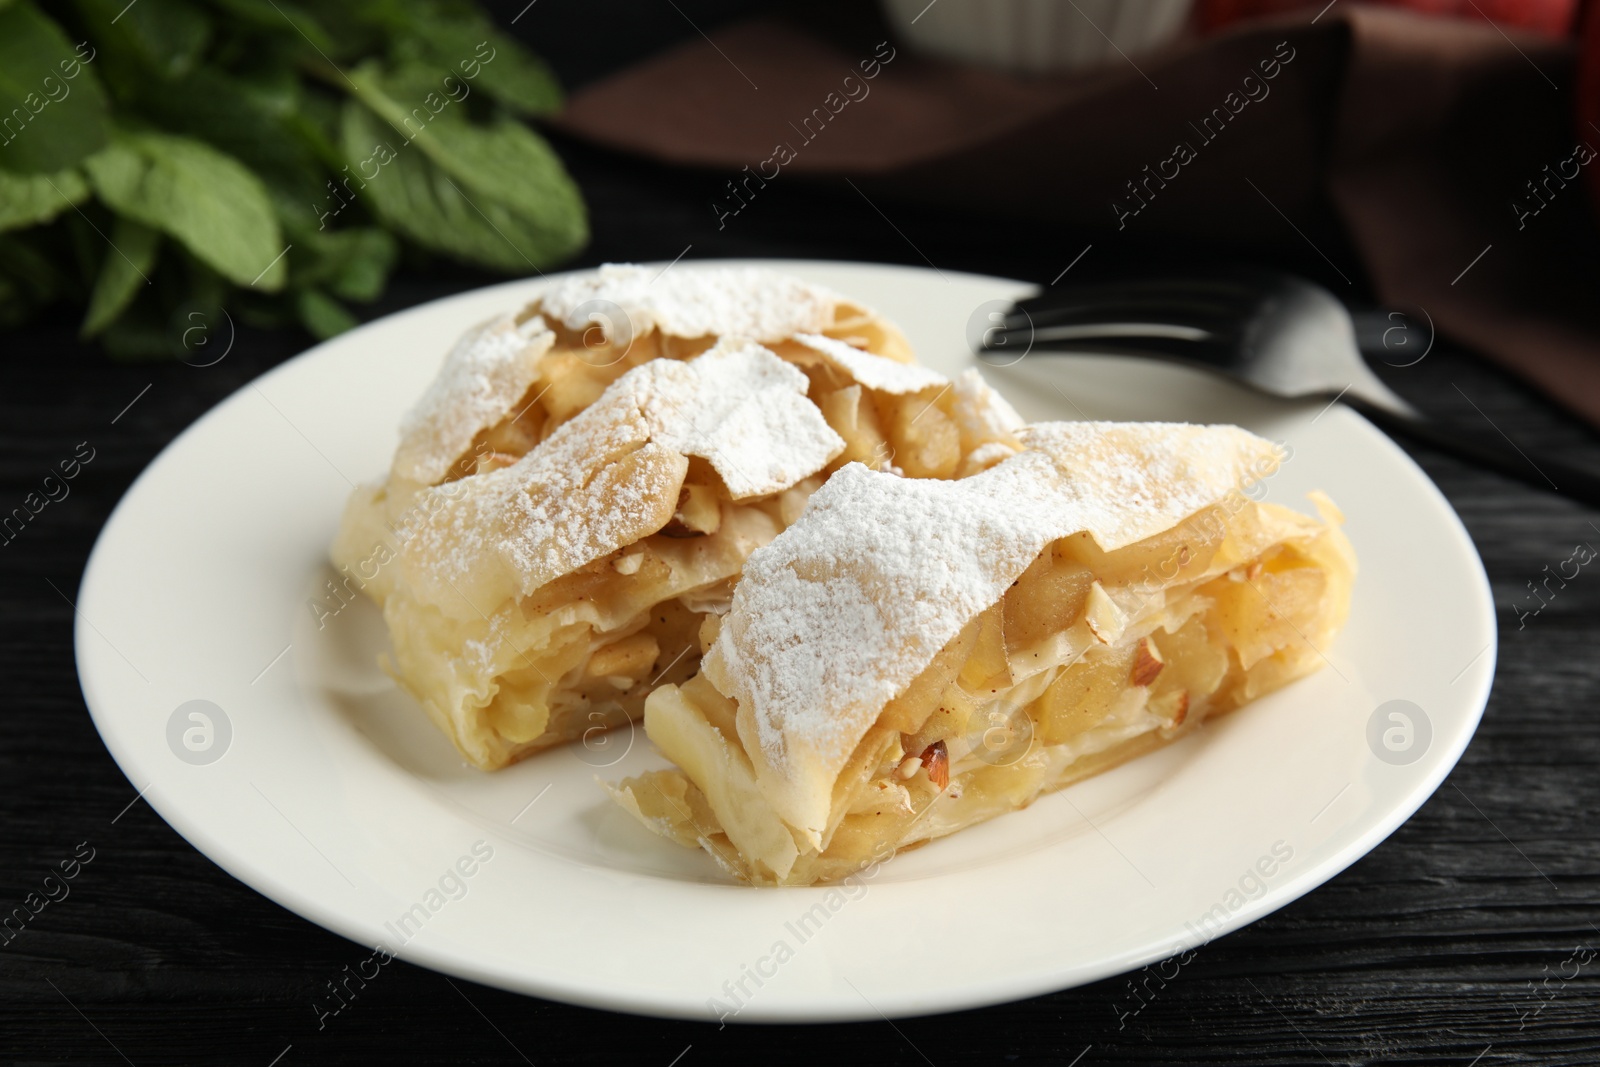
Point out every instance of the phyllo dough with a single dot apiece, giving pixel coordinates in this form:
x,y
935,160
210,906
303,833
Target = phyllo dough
x,y
912,657
565,508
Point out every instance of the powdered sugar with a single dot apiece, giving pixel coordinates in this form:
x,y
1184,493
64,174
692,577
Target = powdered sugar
x,y
982,413
745,411
482,379
838,614
1140,478
871,370
611,474
987,455
687,301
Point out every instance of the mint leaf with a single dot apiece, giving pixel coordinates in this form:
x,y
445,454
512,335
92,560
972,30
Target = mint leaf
x,y
516,77
207,200
52,109
280,16
164,37
492,194
458,39
358,28
324,316
29,199
241,166
254,121
352,263
124,271
516,180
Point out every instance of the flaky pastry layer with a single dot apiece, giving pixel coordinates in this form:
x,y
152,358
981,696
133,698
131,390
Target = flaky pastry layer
x,y
581,487
1090,655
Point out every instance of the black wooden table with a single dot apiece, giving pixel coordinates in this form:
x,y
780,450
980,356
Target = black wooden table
x,y
1470,936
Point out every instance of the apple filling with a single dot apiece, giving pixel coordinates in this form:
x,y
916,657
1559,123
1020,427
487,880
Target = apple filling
x,y
1088,659
582,652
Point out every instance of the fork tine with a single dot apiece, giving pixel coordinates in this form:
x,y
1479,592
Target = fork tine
x,y
1218,300
1213,353
1225,289
1201,306
1099,335
1196,314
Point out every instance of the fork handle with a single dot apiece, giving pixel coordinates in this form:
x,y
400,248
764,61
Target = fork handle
x,y
1496,452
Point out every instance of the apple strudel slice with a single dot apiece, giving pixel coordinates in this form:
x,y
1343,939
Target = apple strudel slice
x,y
541,568
912,657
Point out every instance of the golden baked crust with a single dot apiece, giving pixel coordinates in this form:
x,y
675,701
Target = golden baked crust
x,y
914,657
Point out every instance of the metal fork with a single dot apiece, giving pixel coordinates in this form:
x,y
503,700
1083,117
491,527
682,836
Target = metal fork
x,y
1277,333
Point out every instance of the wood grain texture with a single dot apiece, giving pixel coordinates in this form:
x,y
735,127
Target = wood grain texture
x,y
1445,945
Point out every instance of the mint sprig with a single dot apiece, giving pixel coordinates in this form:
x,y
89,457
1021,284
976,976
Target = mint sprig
x,y
265,156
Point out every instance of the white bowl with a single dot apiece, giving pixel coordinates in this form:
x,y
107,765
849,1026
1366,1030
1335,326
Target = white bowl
x,y
1036,36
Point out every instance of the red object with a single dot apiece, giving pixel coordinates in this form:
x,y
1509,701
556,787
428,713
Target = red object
x,y
1553,17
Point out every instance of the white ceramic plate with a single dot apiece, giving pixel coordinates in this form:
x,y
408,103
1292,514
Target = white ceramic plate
x,y
327,791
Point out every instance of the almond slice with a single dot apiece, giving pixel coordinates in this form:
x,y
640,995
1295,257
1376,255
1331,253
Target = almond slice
x,y
1147,663
937,759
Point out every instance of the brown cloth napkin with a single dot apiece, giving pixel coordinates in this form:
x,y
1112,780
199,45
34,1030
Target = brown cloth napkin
x,y
1441,154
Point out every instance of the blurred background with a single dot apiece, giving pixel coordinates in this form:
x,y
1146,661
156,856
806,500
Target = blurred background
x,y
167,160
176,168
